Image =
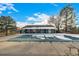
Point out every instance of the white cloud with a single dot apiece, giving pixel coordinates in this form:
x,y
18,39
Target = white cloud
x,y
37,18
45,22
11,7
9,12
21,24
3,8
31,18
77,25
77,18
40,18
77,15
7,6
54,4
0,12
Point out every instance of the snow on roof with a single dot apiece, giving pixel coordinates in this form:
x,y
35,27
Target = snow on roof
x,y
39,27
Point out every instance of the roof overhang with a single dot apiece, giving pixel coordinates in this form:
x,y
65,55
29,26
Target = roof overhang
x,y
39,27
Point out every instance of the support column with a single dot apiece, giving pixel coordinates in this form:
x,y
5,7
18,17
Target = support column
x,y
49,30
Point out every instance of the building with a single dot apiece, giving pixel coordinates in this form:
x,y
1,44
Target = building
x,y
39,29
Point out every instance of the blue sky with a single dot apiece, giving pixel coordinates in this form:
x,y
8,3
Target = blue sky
x,y
33,13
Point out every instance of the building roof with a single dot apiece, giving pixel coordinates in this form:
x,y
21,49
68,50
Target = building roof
x,y
18,28
38,26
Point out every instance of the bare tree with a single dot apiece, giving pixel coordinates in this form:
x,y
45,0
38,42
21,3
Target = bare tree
x,y
55,20
7,23
67,13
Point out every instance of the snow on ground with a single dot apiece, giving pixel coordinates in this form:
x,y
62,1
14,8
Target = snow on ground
x,y
61,36
73,35
57,35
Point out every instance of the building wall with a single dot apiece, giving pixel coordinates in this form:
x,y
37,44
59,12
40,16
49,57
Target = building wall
x,y
39,31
